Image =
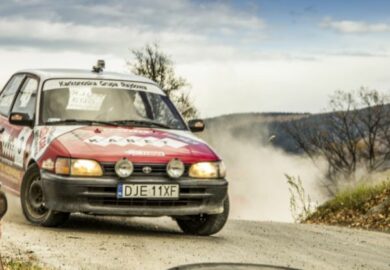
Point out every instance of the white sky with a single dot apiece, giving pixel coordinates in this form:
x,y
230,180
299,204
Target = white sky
x,y
237,58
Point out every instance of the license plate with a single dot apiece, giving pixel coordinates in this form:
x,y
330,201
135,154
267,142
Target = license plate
x,y
148,191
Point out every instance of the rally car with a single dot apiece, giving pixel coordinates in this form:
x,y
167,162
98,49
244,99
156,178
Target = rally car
x,y
100,143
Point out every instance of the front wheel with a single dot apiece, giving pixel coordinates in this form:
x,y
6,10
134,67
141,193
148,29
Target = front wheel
x,y
205,224
3,205
33,202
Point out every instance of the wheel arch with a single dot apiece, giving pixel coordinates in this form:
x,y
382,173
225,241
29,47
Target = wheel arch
x,y
27,166
31,162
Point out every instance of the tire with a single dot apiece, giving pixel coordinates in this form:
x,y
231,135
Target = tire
x,y
32,201
204,224
3,205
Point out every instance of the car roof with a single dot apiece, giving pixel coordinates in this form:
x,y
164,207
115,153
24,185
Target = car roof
x,y
45,74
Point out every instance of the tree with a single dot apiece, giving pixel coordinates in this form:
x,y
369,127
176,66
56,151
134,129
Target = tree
x,y
152,63
354,135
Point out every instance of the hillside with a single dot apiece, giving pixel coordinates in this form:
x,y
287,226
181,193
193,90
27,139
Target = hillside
x,y
255,128
259,127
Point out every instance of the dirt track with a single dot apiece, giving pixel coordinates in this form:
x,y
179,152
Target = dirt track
x,y
140,243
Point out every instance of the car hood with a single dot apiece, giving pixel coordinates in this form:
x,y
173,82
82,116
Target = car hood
x,y
108,144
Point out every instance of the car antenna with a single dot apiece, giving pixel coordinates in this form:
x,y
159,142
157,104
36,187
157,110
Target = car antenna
x,y
100,66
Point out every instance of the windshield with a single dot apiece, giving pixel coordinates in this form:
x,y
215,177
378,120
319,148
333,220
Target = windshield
x,y
127,103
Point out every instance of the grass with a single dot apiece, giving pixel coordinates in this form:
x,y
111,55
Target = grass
x,y
364,206
20,265
356,197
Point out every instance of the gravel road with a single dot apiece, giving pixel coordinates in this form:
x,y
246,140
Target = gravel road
x,y
146,243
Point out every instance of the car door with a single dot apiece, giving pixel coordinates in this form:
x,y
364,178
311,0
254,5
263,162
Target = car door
x,y
25,103
8,174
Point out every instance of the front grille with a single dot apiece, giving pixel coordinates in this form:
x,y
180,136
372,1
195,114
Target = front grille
x,y
106,196
143,202
157,169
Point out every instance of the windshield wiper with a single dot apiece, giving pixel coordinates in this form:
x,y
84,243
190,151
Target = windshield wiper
x,y
109,123
143,123
82,121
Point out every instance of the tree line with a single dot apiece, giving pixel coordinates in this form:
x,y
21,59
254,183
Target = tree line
x,y
354,136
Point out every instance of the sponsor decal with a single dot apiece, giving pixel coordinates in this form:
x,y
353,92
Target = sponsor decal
x,y
14,148
7,146
145,153
20,146
135,140
134,86
79,83
43,136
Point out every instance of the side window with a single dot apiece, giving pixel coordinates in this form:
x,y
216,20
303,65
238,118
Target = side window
x,y
25,101
161,112
7,96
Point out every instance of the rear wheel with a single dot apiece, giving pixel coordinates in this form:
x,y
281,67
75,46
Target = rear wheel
x,y
204,224
33,201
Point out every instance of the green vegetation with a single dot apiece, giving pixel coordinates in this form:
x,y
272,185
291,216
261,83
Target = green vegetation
x,y
357,197
364,206
20,265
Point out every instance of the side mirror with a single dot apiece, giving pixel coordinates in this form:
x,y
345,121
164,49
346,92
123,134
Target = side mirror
x,y
3,205
196,125
21,119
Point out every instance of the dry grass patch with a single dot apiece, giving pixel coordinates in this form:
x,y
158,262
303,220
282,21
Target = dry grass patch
x,y
364,206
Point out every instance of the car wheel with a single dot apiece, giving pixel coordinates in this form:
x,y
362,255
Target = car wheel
x,y
33,201
204,224
3,205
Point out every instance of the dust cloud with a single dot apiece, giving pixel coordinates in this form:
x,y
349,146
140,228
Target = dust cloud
x,y
256,173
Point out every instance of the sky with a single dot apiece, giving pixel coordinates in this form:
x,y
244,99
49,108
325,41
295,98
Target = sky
x,y
238,56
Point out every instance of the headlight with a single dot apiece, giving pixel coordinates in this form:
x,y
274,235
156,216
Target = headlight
x,y
78,167
207,170
175,168
124,168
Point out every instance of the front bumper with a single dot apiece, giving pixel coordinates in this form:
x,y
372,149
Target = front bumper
x,y
98,196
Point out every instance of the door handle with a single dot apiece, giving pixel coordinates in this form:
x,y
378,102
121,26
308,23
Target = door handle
x,y
2,129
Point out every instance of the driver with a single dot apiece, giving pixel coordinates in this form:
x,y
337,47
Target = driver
x,y
55,104
122,105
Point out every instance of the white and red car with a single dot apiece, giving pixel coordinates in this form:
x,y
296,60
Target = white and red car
x,y
106,144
